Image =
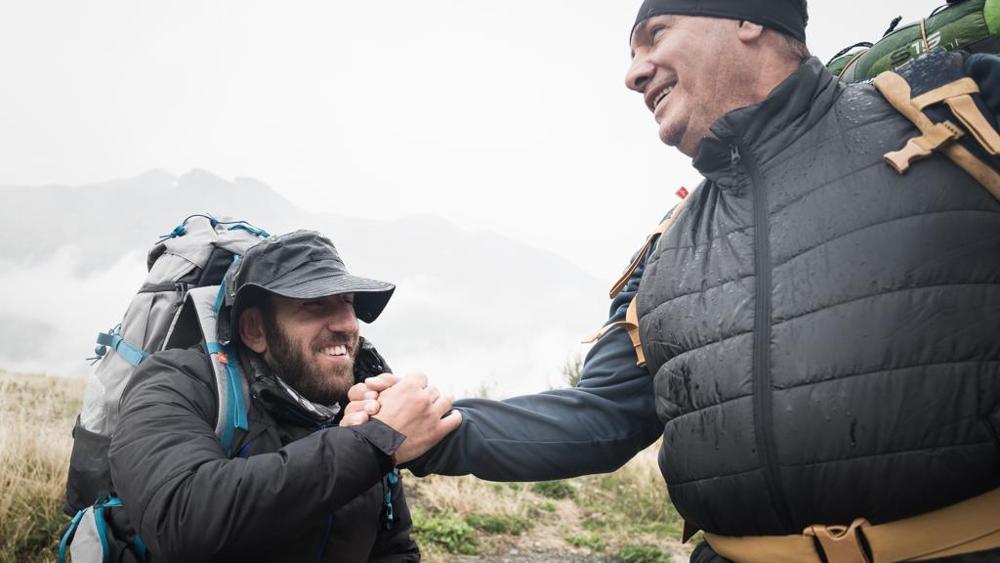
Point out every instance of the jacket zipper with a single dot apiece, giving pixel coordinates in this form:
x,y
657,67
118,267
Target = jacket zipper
x,y
327,528
763,407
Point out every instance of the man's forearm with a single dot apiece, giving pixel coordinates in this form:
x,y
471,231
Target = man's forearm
x,y
593,428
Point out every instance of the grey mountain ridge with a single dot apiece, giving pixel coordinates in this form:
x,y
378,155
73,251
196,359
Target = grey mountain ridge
x,y
468,296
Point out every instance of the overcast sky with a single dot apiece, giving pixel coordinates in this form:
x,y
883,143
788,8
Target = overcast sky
x,y
507,115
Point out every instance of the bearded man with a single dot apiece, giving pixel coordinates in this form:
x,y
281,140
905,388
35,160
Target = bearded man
x,y
302,487
817,334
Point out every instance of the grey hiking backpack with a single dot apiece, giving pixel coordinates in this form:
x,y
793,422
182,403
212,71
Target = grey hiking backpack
x,y
177,306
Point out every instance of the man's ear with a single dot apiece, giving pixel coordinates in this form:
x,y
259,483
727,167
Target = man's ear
x,y
252,330
749,32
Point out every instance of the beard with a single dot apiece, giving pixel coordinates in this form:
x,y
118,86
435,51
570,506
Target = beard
x,y
324,385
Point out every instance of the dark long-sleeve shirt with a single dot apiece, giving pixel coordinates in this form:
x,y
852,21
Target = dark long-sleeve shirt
x,y
593,428
600,424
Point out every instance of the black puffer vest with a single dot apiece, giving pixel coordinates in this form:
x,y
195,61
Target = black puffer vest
x,y
824,333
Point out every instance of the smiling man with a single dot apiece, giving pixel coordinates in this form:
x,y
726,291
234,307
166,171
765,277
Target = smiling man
x,y
302,487
816,334
693,69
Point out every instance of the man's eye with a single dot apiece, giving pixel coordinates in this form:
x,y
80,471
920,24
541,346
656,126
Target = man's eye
x,y
655,32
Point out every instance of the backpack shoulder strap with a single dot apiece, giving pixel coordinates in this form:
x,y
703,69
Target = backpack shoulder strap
x,y
631,322
231,386
945,106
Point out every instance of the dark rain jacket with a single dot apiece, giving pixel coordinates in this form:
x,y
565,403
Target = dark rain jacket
x,y
822,333
296,494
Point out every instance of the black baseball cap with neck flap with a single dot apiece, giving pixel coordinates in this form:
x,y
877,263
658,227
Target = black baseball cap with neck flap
x,y
787,16
298,265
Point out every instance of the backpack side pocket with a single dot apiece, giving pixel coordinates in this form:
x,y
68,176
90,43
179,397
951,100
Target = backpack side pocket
x,y
89,475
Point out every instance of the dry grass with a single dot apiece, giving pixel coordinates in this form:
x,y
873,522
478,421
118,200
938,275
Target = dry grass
x,y
626,508
597,514
36,417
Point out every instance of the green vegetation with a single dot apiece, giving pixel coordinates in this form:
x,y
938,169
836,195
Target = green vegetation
x,y
445,531
624,504
546,506
642,554
36,416
626,513
499,523
586,541
554,489
572,371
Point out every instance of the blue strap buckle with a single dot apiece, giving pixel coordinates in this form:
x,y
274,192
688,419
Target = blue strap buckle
x,y
113,339
392,480
98,507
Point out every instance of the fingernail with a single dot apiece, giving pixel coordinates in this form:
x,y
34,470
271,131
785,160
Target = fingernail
x,y
371,395
371,407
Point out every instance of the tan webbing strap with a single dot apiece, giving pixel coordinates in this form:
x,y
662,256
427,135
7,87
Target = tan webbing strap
x,y
897,91
967,527
650,241
958,96
982,172
961,87
854,59
841,544
632,320
923,34
765,549
631,326
965,109
940,136
604,330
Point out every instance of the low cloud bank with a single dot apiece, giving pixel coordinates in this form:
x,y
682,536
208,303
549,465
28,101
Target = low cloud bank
x,y
465,342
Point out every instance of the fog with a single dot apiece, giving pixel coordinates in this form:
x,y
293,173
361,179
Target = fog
x,y
509,119
472,309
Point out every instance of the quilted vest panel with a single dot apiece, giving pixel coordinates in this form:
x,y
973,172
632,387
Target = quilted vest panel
x,y
824,332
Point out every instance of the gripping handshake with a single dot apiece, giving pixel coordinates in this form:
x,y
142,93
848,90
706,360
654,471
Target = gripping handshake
x,y
407,405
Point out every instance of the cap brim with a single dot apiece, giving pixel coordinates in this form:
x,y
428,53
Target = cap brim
x,y
370,296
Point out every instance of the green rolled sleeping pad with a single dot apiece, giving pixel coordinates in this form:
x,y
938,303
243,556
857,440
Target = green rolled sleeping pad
x,y
970,25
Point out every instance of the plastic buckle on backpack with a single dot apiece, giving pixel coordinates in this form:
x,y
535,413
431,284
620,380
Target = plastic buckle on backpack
x,y
841,544
392,479
921,147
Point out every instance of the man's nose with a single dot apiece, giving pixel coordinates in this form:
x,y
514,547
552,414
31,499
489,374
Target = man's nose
x,y
343,320
639,74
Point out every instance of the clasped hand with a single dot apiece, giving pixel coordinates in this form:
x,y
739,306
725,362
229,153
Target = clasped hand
x,y
407,405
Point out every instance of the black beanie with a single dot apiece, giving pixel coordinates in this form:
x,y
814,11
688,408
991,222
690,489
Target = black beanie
x,y
786,16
